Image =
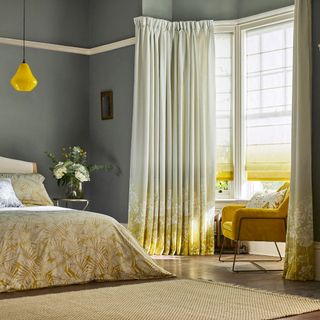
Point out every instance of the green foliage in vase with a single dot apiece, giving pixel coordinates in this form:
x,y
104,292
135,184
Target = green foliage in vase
x,y
222,186
74,166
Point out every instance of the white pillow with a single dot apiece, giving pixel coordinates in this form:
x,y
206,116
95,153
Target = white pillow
x,y
29,188
274,199
266,200
8,197
256,201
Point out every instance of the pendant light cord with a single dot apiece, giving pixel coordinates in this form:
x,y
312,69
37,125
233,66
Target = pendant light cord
x,y
24,32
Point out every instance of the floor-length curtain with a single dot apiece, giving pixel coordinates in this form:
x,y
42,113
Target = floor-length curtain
x,y
299,264
172,173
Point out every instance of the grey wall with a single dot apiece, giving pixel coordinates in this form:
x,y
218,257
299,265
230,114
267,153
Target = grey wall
x,y
157,9
55,114
249,7
205,9
55,21
315,118
110,139
223,10
112,20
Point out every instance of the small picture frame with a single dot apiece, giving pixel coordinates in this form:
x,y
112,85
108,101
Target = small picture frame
x,y
106,105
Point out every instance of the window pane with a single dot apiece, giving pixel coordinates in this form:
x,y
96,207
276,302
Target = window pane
x,y
224,84
223,44
223,47
268,96
223,67
223,100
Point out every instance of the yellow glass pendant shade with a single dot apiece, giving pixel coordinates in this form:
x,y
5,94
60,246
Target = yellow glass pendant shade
x,y
24,80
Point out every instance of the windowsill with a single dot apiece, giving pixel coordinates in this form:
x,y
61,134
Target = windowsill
x,y
228,200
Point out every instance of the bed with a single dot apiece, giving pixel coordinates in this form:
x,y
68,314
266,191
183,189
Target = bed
x,y
43,246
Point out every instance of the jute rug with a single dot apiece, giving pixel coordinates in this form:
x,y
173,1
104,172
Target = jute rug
x,y
169,299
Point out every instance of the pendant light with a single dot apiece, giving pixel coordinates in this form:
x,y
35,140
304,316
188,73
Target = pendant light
x,y
24,80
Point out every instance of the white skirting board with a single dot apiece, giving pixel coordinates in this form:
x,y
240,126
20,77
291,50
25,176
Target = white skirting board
x,y
265,248
268,248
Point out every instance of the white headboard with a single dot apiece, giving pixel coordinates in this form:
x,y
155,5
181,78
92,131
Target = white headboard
x,y
8,165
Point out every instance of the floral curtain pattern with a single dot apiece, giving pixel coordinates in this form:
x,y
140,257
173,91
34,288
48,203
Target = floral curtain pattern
x,y
172,174
299,263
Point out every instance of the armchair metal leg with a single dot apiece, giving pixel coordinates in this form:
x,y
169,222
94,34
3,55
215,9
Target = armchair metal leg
x,y
280,257
221,249
254,262
236,251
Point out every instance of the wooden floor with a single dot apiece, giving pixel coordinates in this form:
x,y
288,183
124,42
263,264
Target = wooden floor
x,y
209,268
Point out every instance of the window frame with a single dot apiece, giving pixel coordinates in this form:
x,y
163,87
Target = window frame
x,y
230,29
239,28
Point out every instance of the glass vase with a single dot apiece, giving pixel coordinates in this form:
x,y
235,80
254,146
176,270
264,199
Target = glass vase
x,y
74,190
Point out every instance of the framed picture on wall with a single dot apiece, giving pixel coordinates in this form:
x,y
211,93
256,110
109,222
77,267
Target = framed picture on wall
x,y
106,105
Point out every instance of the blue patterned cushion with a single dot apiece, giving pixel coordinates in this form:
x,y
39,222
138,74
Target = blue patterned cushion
x,y
8,197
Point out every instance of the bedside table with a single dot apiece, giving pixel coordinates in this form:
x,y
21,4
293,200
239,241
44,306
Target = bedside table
x,y
69,202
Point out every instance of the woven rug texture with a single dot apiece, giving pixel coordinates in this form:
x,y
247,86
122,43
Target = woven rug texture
x,y
169,299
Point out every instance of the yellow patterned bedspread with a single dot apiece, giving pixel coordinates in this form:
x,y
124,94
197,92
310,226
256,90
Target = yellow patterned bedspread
x,y
48,246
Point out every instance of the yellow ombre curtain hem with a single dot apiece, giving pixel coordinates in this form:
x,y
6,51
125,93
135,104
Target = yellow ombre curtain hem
x,y
184,234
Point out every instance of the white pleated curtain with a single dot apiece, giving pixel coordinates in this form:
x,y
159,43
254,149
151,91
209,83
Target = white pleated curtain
x,y
299,263
172,174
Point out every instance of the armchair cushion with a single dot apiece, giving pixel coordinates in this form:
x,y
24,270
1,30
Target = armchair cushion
x,y
228,212
274,199
256,201
227,229
267,200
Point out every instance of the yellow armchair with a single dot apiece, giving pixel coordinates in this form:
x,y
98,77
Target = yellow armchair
x,y
254,224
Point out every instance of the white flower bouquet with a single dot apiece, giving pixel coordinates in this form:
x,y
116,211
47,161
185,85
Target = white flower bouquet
x,y
74,170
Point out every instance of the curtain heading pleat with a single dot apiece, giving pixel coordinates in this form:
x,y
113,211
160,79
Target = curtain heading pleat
x,y
164,25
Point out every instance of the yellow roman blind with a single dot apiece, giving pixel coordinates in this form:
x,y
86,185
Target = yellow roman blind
x,y
268,162
224,168
268,99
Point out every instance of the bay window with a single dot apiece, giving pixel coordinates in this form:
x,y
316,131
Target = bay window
x,y
253,117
